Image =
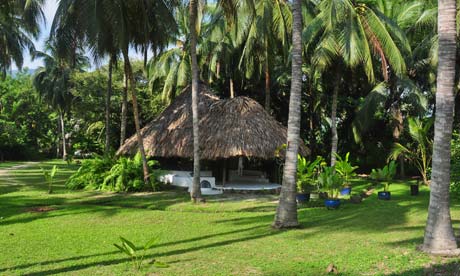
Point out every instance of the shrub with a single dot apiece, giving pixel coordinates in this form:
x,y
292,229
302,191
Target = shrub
x,y
91,174
127,175
108,174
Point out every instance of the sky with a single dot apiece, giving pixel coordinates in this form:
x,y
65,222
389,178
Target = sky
x,y
49,9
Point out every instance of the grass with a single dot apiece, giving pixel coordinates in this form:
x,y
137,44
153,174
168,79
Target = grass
x,y
229,235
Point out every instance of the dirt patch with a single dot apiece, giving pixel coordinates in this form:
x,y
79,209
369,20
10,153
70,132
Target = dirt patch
x,y
40,209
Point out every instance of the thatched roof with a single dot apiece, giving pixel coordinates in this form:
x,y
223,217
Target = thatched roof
x,y
229,128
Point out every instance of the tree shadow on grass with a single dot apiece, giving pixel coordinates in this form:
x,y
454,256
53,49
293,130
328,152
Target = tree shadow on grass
x,y
253,233
447,269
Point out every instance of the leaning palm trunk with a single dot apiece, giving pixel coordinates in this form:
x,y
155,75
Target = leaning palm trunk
x,y
124,110
140,142
64,142
195,193
439,234
286,213
107,107
335,137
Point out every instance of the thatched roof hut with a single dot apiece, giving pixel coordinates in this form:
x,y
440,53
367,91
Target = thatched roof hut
x,y
229,128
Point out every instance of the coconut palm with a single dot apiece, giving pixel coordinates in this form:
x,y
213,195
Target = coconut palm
x,y
19,24
195,192
53,83
350,34
264,27
439,234
286,213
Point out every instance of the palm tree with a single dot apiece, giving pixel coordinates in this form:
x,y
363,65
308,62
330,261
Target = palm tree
x,y
286,213
53,84
172,68
264,28
19,21
439,234
353,34
195,193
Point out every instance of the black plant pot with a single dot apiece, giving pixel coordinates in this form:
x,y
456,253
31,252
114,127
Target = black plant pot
x,y
413,190
384,195
302,198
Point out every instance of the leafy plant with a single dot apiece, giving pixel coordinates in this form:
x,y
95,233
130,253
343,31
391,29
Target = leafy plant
x,y
137,255
127,175
49,177
419,152
307,172
330,181
91,174
344,168
385,175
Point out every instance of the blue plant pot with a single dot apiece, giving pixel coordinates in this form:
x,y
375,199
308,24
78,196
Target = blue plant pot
x,y
384,195
302,198
332,203
345,191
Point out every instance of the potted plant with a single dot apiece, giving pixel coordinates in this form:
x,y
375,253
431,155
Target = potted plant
x,y
344,168
331,182
307,172
384,176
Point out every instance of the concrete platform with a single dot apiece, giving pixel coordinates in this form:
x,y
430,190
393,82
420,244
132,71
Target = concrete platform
x,y
248,186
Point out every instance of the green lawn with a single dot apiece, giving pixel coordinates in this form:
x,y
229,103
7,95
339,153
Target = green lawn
x,y
229,235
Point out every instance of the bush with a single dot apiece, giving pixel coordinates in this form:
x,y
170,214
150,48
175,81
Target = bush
x,y
108,174
91,174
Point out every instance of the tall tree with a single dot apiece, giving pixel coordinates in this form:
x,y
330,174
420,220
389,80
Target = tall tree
x,y
354,33
19,23
53,84
439,234
195,193
286,213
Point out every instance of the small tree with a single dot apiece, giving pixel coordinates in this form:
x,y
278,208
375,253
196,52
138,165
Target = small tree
x,y
418,152
49,177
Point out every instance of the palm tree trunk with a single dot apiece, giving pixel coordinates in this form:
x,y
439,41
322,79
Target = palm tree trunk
x,y
335,137
439,234
195,193
140,141
124,110
64,149
286,213
267,83
107,107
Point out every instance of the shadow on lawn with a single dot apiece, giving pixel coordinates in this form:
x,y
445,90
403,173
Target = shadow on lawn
x,y
253,233
447,269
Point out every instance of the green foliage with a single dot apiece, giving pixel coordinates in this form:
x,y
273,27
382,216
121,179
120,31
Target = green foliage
x,y
419,151
307,172
137,255
91,174
108,174
385,174
330,181
344,168
127,174
49,177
